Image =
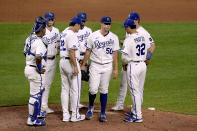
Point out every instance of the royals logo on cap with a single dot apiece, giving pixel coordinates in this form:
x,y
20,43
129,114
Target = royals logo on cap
x,y
106,19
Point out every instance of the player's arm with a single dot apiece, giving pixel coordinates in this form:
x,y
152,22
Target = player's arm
x,y
153,47
39,65
87,55
150,51
58,43
115,64
58,47
73,60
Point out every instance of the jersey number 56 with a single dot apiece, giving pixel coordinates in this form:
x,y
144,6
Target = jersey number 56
x,y
109,51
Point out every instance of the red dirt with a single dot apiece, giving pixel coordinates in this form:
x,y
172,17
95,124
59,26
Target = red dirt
x,y
150,10
14,118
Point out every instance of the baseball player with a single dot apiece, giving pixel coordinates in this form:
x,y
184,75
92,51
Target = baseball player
x,y
123,85
52,39
102,47
134,52
82,36
70,71
35,50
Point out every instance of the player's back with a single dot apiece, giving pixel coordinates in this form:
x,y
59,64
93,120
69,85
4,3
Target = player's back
x,y
136,46
34,47
140,29
68,41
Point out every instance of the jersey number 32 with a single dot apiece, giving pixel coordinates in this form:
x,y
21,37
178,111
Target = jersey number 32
x,y
140,49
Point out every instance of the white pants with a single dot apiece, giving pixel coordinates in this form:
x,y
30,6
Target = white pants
x,y
123,89
136,73
49,77
36,85
71,86
100,75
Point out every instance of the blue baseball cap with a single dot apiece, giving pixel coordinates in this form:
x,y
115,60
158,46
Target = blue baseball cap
x,y
128,22
82,16
76,20
134,16
49,16
106,19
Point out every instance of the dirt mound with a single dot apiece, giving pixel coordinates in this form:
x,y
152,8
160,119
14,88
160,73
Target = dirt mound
x,y
150,10
14,118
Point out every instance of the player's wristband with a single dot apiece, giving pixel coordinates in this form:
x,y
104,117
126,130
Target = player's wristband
x,y
39,67
149,55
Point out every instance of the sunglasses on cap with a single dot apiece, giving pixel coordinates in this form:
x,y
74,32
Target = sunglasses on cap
x,y
107,23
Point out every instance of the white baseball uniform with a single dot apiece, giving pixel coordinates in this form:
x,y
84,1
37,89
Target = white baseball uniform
x,y
123,85
71,85
102,48
51,38
82,36
34,47
134,53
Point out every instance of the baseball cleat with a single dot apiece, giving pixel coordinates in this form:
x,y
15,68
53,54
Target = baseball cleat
x,y
81,106
66,118
49,110
35,122
133,119
129,113
103,118
89,113
78,118
42,115
117,108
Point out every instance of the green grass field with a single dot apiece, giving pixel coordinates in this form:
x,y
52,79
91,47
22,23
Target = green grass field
x,y
170,82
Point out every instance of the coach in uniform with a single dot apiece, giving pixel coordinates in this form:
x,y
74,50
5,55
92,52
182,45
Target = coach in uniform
x,y
102,47
35,50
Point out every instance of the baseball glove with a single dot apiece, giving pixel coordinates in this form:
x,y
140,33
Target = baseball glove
x,y
85,74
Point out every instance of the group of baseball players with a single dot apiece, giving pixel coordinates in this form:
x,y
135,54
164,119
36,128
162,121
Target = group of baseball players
x,y
75,45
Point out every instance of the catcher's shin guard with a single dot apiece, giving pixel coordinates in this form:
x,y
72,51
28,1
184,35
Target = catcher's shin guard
x,y
36,111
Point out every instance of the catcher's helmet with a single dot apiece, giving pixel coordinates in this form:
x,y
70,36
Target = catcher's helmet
x,y
40,24
82,16
49,16
134,16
